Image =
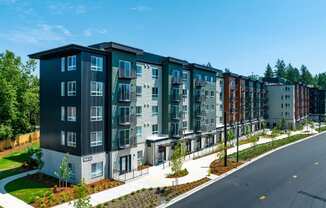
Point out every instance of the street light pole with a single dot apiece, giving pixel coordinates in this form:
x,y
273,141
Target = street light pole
x,y
238,142
225,142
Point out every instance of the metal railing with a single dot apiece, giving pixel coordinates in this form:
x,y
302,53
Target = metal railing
x,y
117,175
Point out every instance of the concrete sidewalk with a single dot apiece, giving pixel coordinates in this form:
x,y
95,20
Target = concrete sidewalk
x,y
9,201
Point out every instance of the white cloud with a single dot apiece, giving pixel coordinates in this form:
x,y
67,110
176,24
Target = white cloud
x,y
141,8
64,8
92,31
39,34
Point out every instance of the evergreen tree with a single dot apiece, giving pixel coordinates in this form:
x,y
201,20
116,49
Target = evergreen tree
x,y
292,74
269,72
280,69
306,76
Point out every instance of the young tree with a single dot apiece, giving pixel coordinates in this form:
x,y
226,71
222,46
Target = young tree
x,y
178,158
38,158
269,72
82,196
64,171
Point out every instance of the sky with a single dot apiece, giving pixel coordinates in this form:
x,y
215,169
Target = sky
x,y
241,35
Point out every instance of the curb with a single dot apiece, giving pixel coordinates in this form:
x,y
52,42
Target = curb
x,y
185,195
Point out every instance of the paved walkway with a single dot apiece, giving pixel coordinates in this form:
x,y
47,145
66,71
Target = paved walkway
x,y
9,201
156,177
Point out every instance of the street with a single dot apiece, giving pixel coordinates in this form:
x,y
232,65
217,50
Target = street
x,y
294,177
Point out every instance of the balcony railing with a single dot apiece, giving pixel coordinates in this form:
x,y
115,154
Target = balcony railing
x,y
200,83
176,80
200,98
125,143
126,74
176,97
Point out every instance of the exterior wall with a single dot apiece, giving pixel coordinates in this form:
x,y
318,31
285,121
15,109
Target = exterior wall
x,y
281,104
80,166
219,101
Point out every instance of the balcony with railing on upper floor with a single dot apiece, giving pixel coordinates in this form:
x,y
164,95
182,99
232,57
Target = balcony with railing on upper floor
x,y
128,142
176,80
126,73
200,83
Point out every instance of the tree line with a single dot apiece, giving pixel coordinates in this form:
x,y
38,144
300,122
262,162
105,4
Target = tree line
x,y
19,96
295,75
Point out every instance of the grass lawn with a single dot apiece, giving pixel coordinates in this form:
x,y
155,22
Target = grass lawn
x,y
26,189
12,164
262,148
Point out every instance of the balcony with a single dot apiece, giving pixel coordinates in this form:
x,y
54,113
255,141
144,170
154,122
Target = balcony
x,y
126,120
177,115
200,83
176,97
126,74
200,113
200,98
176,80
177,133
125,143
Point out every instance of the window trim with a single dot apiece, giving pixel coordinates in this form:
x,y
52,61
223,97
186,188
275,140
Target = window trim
x,y
96,92
72,118
98,63
63,138
154,132
73,60
63,64
63,89
71,139
97,173
63,113
97,140
71,92
96,117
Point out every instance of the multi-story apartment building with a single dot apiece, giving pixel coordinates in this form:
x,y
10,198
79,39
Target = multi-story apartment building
x,y
244,100
317,104
113,108
286,101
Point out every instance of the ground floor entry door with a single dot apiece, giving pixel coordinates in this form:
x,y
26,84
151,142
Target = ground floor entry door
x,y
125,164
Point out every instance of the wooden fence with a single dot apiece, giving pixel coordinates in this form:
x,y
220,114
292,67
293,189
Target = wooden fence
x,y
19,140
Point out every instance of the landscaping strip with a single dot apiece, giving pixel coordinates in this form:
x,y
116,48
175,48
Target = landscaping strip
x,y
262,148
152,197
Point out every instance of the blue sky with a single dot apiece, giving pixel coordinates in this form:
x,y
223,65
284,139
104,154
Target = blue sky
x,y
240,35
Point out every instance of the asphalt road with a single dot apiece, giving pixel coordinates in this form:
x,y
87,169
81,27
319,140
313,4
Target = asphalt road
x,y
294,177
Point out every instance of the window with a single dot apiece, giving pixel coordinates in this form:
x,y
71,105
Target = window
x,y
71,63
97,170
139,70
154,92
212,93
154,73
138,110
71,85
124,137
96,113
96,88
96,63
62,88
124,115
96,138
62,113
124,69
124,92
71,139
155,110
63,138
154,129
184,75
139,131
184,108
175,129
138,90
63,64
184,124
71,113
174,111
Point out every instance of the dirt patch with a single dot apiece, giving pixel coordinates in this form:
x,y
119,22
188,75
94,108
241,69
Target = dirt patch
x,y
217,166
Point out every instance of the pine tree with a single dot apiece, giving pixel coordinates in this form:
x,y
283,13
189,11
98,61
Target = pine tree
x,y
280,69
269,72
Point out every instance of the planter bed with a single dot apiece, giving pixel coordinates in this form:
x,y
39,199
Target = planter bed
x,y
151,197
181,173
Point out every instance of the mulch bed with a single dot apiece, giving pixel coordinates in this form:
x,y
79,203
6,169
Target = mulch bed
x,y
63,194
217,166
152,197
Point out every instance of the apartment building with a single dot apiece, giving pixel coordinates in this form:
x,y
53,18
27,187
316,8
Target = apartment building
x,y
317,104
287,101
112,108
244,103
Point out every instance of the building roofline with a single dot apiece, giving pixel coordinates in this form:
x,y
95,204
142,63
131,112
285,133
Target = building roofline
x,y
59,50
117,46
207,68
